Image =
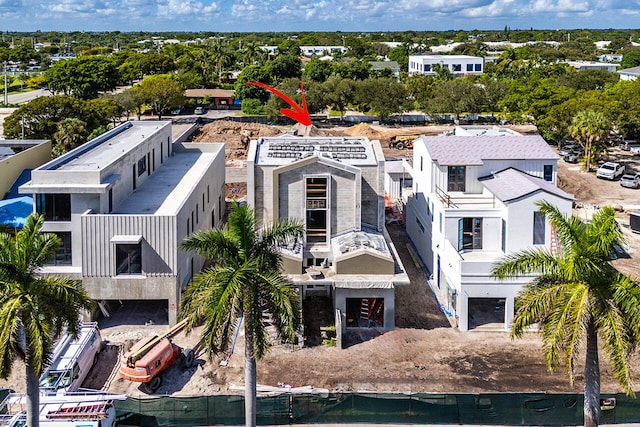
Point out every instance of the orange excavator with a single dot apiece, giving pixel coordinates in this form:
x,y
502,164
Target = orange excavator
x,y
149,357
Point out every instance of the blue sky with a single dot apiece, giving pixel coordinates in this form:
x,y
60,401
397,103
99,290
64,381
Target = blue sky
x,y
314,15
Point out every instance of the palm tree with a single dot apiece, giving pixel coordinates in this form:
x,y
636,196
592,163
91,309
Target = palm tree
x,y
577,298
590,128
34,309
244,280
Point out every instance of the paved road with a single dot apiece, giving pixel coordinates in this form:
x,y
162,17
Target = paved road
x,y
20,98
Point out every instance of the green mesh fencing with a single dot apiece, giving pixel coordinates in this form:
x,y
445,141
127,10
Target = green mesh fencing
x,y
345,408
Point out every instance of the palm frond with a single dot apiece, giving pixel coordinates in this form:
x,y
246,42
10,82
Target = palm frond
x,y
528,261
569,229
604,232
211,244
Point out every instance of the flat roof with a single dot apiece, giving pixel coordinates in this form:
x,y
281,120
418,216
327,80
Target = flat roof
x,y
283,150
167,189
106,148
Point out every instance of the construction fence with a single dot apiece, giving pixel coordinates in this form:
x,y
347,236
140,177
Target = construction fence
x,y
381,408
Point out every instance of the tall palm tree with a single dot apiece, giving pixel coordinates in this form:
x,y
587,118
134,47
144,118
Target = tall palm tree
x,y
34,309
577,298
244,280
590,128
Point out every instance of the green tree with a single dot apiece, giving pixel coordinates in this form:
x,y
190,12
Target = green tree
x,y
71,133
630,59
317,70
163,92
339,93
131,101
82,77
244,280
283,67
383,96
34,309
252,73
590,128
578,298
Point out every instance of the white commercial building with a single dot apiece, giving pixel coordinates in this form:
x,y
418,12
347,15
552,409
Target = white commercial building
x,y
121,203
473,203
457,65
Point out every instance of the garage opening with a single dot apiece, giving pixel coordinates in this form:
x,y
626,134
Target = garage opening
x,y
133,312
365,312
486,312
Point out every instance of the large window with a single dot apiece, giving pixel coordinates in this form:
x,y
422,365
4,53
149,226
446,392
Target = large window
x,y
63,256
317,209
469,233
548,172
129,258
538,229
456,178
54,207
142,166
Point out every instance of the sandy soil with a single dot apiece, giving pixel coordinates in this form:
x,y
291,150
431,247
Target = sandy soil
x,y
422,354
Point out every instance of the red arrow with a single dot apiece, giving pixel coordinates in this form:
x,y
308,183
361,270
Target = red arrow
x,y
300,115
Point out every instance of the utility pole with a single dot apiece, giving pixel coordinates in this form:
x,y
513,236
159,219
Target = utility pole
x,y
6,89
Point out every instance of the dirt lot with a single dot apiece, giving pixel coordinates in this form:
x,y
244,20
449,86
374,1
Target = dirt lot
x,y
422,354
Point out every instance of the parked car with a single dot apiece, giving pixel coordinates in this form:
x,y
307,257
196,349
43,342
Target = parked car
x,y
628,144
573,157
199,110
630,180
566,149
610,170
177,111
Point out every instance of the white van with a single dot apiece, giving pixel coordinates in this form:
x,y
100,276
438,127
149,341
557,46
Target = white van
x,y
72,360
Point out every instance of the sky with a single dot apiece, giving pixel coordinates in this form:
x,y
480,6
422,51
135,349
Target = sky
x,y
314,15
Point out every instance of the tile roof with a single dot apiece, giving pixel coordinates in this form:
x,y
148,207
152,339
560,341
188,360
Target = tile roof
x,y
473,150
511,184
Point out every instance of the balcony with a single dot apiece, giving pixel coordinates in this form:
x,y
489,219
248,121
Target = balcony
x,y
465,200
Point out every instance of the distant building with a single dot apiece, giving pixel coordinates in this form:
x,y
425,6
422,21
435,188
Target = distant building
x,y
457,65
589,65
122,202
310,51
392,66
629,73
336,186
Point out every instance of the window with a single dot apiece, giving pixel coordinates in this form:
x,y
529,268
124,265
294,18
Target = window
x,y
538,228
421,162
54,207
456,178
142,166
197,215
153,158
134,177
149,163
456,68
548,172
317,209
469,67
478,67
161,154
129,258
63,256
420,226
504,235
469,233
427,67
110,199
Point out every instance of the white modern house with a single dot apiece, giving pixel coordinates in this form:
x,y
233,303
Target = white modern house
x,y
474,201
121,203
457,65
591,65
335,185
629,73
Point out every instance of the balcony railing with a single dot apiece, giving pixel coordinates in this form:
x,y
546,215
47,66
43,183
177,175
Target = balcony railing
x,y
465,200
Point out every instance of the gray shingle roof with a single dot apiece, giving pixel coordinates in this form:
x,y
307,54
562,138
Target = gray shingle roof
x,y
511,184
473,150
